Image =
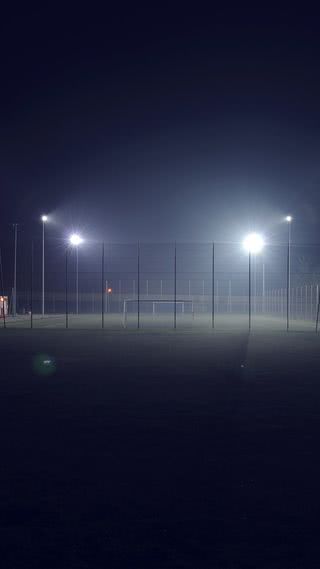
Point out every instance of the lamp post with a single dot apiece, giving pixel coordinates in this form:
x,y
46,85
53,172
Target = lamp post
x,y
253,244
75,240
288,219
44,219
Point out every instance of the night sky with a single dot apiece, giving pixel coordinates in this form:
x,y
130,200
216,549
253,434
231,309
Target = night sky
x,y
160,123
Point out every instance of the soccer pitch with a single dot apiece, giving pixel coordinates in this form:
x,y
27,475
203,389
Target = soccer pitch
x,y
165,448
184,322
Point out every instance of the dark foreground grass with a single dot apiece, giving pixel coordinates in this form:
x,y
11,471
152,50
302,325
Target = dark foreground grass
x,y
159,450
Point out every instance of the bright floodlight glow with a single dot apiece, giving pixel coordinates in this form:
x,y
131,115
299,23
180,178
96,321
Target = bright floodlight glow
x,y
253,243
44,218
75,239
289,218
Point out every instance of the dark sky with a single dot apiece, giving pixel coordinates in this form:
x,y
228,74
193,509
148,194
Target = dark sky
x,y
160,123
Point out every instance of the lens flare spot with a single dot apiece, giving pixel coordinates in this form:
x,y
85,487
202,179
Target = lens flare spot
x,y
43,364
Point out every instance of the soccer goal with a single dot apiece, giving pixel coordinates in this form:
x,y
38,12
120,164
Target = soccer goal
x,y
155,303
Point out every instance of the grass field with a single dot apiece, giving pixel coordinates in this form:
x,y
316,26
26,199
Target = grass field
x,y
229,322
159,448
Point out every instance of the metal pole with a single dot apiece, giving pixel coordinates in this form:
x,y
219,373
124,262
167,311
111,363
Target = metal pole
x,y
138,284
263,289
212,292
2,288
306,303
67,315
293,305
175,286
217,296
102,286
249,291
43,268
318,307
77,280
15,226
255,284
31,288
288,275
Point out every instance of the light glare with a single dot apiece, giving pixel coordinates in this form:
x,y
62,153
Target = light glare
x,y
289,218
44,218
253,243
75,239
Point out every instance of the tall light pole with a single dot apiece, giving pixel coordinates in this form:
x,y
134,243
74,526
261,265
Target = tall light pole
x,y
75,240
44,219
289,221
14,303
253,244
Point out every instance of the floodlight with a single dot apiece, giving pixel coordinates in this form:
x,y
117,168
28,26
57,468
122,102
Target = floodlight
x,y
44,218
288,218
253,243
75,239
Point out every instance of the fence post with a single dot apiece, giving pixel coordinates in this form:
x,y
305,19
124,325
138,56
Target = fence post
x,y
175,286
212,292
102,286
217,295
317,319
288,281
249,291
306,302
263,307
2,288
31,288
67,315
138,284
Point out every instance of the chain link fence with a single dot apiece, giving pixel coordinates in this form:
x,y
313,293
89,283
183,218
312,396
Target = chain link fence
x,y
141,285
